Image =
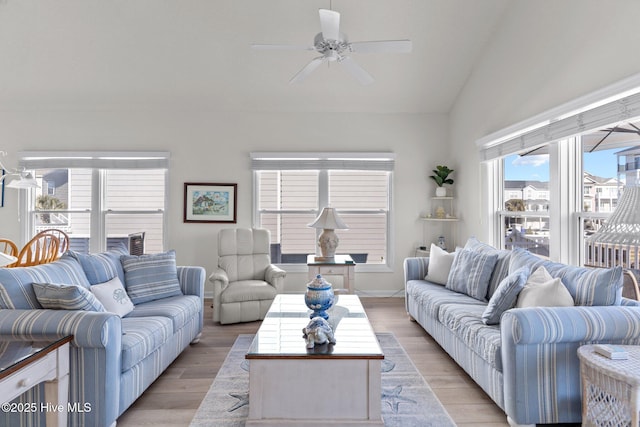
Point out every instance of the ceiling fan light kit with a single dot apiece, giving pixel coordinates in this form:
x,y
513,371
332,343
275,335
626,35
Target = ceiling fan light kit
x,y
333,46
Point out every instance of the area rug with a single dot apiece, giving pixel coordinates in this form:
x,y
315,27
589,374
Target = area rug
x,y
407,399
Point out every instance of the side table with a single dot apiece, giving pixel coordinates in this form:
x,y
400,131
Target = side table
x,y
341,265
25,364
610,388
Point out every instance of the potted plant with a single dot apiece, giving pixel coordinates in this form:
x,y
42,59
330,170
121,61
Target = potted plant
x,y
441,177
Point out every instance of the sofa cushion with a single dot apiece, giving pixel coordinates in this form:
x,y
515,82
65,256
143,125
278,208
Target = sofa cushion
x,y
431,296
587,286
180,309
439,265
501,269
141,336
103,266
151,277
16,290
542,290
113,296
465,322
506,296
248,290
66,297
470,273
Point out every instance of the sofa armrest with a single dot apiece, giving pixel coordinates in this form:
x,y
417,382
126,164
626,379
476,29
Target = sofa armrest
x,y
94,357
89,329
545,325
275,276
541,369
415,268
191,280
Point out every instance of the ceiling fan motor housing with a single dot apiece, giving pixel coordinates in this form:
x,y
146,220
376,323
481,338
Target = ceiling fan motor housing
x,y
326,47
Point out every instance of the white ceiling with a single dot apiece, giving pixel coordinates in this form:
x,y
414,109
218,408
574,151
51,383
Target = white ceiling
x,y
194,54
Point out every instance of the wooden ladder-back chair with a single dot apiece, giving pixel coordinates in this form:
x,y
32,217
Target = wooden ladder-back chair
x,y
41,249
630,285
62,237
8,247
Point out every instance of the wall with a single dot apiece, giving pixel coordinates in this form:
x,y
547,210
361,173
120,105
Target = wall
x,y
542,55
212,146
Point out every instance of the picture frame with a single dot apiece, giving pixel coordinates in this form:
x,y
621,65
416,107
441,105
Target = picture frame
x,y
210,202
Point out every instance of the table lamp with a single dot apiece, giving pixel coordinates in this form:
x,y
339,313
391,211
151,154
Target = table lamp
x,y
328,220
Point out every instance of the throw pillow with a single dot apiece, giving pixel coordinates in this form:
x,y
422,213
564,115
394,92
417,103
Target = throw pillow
x,y
439,265
587,286
103,266
150,277
501,269
66,297
470,273
542,290
113,297
505,296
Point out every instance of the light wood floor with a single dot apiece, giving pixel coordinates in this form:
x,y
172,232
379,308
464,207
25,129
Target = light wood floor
x,y
174,398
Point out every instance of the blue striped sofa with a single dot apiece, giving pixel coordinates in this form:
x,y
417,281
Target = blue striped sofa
x,y
528,362
112,360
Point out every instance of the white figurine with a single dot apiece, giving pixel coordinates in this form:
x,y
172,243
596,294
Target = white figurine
x,y
318,331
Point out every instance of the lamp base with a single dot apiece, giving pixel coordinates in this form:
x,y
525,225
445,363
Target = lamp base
x,y
328,243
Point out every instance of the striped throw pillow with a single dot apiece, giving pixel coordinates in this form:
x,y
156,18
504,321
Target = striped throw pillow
x,y
470,273
150,277
66,297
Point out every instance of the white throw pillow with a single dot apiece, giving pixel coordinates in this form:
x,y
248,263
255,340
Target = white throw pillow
x,y
542,290
439,265
113,297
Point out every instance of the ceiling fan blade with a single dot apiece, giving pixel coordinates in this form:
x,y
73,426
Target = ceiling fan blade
x,y
280,47
382,46
308,69
356,70
330,24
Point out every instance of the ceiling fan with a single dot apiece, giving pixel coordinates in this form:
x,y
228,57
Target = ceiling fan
x,y
333,46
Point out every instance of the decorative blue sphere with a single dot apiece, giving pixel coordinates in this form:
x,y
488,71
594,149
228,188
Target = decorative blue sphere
x,y
319,297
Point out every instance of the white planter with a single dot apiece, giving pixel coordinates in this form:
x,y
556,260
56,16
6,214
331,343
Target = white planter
x,y
441,192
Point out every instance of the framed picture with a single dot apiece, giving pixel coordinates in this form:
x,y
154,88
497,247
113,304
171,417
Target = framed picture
x,y
205,202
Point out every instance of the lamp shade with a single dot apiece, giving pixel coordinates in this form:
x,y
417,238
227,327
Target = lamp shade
x,y
6,259
329,219
26,181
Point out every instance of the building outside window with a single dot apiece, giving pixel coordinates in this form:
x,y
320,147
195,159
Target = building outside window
x,y
290,190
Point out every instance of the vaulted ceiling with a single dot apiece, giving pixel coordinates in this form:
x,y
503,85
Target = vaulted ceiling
x,y
194,54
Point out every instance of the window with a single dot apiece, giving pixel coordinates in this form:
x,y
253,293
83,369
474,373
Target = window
x,y
98,199
525,212
290,190
573,138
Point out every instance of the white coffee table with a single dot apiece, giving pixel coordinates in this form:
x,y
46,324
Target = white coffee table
x,y
330,385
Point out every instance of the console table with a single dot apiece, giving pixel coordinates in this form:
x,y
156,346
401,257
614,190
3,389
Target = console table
x,y
25,364
329,385
341,265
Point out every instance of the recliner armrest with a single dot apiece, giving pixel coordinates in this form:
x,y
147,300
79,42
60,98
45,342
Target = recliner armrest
x,y
219,275
275,277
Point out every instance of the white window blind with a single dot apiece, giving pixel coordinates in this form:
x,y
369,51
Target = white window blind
x,y
322,161
94,159
612,105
